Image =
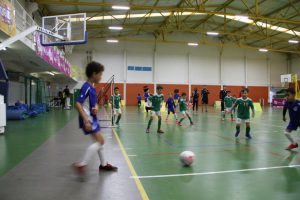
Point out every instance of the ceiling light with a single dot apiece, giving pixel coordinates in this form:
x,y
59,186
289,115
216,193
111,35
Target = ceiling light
x,y
192,44
263,50
120,7
52,74
293,41
212,33
112,41
115,27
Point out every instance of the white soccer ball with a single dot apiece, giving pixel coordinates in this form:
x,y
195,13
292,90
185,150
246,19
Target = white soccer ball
x,y
187,158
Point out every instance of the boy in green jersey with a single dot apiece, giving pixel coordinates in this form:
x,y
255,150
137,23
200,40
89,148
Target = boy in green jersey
x,y
157,101
243,105
183,109
229,101
115,101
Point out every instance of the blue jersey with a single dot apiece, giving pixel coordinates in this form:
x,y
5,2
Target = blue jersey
x,y
294,112
176,96
88,100
146,96
170,103
139,98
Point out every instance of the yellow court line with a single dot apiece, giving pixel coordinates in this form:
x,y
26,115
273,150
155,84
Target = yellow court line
x,y
131,168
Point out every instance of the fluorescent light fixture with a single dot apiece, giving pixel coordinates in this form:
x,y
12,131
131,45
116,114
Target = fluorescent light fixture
x,y
293,41
115,27
263,50
52,74
120,7
192,44
212,33
112,41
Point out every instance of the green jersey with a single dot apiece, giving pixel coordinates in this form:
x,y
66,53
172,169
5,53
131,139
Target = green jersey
x,y
157,101
229,101
244,105
182,105
116,99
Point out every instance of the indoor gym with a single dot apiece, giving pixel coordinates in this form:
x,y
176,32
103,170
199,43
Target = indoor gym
x,y
183,45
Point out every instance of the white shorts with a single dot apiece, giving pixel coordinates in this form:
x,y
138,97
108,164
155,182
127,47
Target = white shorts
x,y
117,111
239,121
157,113
228,110
184,113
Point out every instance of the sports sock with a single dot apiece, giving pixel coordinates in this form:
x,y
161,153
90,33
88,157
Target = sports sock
x,y
289,137
89,153
101,156
149,123
118,119
159,123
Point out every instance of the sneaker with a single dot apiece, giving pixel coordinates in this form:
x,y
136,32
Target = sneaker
x,y
191,123
148,130
248,136
179,124
107,167
292,146
79,169
160,131
118,124
237,134
223,119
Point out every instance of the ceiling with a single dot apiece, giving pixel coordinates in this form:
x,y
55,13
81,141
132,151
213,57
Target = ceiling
x,y
252,24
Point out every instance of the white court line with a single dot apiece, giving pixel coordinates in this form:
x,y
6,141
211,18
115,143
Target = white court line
x,y
217,172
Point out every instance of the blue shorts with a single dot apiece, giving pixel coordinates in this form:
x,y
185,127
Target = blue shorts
x,y
293,126
171,110
95,128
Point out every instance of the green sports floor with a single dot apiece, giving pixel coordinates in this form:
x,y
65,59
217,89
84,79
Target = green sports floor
x,y
36,154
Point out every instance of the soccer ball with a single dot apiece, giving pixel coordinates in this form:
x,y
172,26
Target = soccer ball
x,y
187,158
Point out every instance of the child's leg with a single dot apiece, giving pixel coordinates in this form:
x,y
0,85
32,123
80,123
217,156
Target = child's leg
x,y
183,117
175,115
238,127
98,137
248,130
168,114
189,118
150,122
287,134
159,122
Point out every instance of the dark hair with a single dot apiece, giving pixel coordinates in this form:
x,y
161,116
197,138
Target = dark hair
x,y
139,94
291,91
176,91
159,87
183,94
245,90
116,88
229,91
93,67
145,88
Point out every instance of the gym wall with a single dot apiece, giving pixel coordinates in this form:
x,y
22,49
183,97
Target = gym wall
x,y
180,66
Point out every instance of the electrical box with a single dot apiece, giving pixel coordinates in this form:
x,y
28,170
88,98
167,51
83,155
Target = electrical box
x,y
2,115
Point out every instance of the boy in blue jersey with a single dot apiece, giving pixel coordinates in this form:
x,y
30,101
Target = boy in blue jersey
x,y
176,97
170,105
87,107
146,97
293,106
139,100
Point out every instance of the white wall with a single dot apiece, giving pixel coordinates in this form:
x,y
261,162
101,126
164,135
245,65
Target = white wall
x,y
180,64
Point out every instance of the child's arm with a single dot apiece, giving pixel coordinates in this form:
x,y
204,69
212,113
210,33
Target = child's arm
x,y
87,123
284,113
234,106
253,111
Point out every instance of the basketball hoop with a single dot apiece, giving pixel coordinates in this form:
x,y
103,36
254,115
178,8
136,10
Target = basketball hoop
x,y
68,49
